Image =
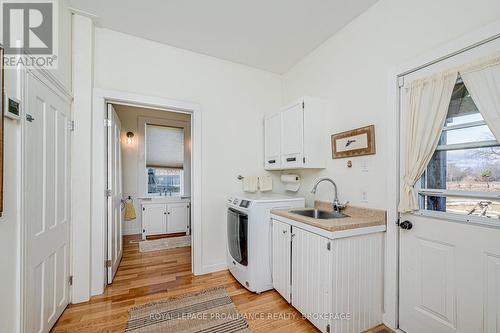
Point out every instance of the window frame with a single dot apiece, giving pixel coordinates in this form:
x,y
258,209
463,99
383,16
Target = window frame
x,y
425,191
142,174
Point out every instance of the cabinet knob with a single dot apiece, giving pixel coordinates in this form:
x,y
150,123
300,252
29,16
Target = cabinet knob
x,y
285,231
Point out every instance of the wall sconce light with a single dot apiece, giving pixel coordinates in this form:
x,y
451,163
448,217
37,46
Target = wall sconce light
x,y
130,137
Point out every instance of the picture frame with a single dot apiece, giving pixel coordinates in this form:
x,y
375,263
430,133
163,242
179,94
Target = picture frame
x,y
2,93
356,142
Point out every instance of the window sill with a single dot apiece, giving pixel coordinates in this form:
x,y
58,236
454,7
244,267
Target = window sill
x,y
467,219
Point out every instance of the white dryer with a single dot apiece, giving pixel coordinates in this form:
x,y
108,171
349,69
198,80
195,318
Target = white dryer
x,y
248,237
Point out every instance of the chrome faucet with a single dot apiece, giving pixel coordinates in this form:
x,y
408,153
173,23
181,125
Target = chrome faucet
x,y
337,206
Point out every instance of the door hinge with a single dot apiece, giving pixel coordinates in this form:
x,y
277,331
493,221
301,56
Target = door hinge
x,y
107,122
303,160
70,280
108,263
71,125
108,193
303,105
328,328
329,246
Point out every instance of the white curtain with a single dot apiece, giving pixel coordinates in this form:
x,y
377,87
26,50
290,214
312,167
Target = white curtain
x,y
428,101
483,84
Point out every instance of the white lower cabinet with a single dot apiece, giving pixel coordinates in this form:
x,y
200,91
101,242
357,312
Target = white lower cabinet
x,y
281,258
165,218
336,283
177,217
154,219
311,277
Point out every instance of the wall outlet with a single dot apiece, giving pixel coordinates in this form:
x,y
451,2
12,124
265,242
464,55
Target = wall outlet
x,y
364,196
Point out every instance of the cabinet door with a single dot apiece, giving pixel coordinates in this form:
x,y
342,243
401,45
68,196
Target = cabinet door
x,y
272,130
292,137
311,276
154,219
177,217
281,258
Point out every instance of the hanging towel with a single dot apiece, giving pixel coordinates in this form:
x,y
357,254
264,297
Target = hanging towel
x,y
250,183
129,210
265,183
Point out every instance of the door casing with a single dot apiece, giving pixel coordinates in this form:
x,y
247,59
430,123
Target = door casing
x,y
100,99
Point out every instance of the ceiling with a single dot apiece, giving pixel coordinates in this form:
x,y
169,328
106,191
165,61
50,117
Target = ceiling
x,y
272,35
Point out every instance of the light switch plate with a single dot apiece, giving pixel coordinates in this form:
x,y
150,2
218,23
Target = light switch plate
x,y
363,165
364,196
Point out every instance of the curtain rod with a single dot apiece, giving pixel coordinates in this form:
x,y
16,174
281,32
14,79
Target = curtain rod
x,y
435,61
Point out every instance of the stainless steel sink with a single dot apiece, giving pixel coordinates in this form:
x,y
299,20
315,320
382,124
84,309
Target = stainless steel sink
x,y
318,214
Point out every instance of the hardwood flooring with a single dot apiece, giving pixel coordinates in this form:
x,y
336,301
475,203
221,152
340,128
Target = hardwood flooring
x,y
146,277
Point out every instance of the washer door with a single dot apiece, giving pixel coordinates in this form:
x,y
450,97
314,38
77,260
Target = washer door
x,y
237,236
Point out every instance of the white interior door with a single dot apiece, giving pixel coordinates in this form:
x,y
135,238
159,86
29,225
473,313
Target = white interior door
x,y
47,206
449,269
115,194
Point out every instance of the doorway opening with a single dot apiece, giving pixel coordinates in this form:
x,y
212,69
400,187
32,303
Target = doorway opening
x,y
149,181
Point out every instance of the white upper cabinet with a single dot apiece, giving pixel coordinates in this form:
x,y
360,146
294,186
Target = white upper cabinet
x,y
300,141
292,136
272,130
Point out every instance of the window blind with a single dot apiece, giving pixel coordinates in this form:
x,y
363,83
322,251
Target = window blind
x,y
164,147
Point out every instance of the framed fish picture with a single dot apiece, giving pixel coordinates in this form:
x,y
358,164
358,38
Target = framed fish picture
x,y
357,142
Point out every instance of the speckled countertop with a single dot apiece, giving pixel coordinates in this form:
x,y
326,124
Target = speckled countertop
x,y
357,217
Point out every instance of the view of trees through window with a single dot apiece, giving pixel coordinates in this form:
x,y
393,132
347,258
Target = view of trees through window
x,y
467,159
165,181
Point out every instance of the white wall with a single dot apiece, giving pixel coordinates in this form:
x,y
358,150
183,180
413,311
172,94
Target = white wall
x,y
10,221
130,155
351,70
233,99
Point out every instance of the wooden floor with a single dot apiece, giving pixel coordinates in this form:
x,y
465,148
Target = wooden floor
x,y
146,277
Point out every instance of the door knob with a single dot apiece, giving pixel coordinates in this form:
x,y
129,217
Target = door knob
x,y
406,225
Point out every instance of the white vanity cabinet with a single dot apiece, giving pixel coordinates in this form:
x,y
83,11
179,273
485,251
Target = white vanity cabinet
x,y
296,137
165,217
154,219
335,279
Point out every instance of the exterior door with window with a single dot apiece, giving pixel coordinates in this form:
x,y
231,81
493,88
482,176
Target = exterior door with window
x,y
450,248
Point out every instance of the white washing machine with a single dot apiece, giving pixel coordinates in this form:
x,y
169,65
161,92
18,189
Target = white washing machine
x,y
249,237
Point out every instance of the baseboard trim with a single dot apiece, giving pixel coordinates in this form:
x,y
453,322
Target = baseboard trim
x,y
213,268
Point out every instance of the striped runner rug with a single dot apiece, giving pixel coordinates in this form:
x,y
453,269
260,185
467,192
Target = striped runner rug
x,y
208,311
